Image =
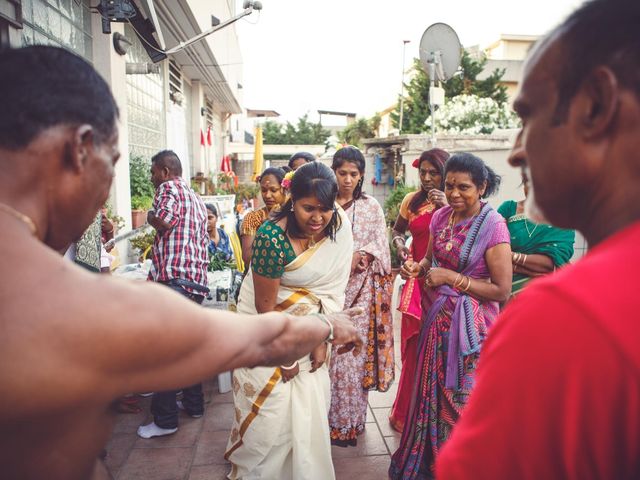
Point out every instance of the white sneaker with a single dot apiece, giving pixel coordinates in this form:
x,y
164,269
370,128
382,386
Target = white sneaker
x,y
181,407
152,430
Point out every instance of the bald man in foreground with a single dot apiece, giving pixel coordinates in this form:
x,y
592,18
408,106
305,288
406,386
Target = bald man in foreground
x,y
63,360
557,394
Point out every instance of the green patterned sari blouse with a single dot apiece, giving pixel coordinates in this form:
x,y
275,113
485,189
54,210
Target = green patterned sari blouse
x,y
271,251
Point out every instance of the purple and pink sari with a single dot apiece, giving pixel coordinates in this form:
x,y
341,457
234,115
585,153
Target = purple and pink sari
x,y
453,330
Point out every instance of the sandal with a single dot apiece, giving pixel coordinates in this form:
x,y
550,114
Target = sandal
x,y
122,406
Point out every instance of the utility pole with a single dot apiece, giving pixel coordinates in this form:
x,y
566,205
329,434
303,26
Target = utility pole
x,y
404,47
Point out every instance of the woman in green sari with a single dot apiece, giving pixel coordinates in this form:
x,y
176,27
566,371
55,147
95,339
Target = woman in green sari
x,y
537,248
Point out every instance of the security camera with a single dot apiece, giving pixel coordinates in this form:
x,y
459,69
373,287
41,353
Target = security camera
x,y
256,5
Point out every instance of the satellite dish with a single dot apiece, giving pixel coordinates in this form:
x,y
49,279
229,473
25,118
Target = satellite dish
x,y
440,52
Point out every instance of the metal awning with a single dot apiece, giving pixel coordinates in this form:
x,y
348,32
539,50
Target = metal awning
x,y
197,61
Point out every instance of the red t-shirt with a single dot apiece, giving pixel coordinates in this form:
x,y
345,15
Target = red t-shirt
x,y
557,391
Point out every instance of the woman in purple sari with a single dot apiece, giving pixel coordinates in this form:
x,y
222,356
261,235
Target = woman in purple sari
x,y
467,272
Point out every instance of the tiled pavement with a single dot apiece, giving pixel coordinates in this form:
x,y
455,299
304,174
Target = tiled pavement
x,y
195,451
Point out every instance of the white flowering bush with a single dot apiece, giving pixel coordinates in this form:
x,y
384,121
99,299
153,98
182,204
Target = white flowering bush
x,y
472,115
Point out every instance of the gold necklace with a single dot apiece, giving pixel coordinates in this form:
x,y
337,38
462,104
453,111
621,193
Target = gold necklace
x,y
430,206
20,216
449,244
310,243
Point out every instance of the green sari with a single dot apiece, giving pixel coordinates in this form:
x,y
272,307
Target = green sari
x,y
535,238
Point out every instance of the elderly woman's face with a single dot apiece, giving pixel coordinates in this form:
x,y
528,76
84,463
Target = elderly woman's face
x,y
462,194
311,215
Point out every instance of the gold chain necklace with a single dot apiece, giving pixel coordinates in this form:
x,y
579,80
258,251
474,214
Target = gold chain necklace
x,y
451,224
20,216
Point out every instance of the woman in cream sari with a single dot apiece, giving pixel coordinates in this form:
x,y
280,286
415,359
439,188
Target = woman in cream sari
x,y
300,264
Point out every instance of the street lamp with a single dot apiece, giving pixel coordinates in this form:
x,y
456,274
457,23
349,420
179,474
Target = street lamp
x,y
404,47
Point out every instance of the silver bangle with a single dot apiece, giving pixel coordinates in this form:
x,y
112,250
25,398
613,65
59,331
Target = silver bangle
x,y
324,318
398,237
293,365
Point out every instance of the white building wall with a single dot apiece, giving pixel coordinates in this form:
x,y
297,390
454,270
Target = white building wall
x,y
112,67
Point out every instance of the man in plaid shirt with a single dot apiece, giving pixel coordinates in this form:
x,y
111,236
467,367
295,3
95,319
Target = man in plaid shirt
x,y
179,260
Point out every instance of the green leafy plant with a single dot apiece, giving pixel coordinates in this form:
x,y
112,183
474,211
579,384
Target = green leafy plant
x,y
142,190
117,220
304,132
416,100
246,191
143,242
393,201
392,210
140,202
217,261
362,128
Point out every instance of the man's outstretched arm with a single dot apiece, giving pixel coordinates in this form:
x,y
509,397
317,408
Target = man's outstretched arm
x,y
153,339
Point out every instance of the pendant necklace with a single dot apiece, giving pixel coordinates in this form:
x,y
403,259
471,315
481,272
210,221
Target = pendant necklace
x,y
449,245
22,217
526,225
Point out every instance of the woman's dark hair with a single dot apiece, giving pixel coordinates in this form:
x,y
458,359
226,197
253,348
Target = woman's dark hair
x,y
312,179
308,157
436,157
275,171
355,156
212,209
477,169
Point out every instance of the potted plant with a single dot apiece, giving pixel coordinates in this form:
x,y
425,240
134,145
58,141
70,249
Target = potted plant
x,y
142,190
116,220
139,208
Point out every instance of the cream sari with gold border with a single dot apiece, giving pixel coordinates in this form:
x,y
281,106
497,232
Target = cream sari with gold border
x,y
281,430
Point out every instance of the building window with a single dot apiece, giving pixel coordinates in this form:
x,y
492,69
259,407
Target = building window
x,y
62,23
145,103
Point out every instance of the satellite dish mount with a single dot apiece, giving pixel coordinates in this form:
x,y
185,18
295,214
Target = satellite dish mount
x,y
440,54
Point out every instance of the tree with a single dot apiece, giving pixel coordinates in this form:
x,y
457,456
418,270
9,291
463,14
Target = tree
x,y
353,133
473,115
303,133
416,102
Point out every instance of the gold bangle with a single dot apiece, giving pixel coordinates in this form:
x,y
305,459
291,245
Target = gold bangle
x,y
466,289
524,259
454,285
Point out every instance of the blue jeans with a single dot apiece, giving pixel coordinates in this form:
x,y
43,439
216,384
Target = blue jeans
x,y
163,404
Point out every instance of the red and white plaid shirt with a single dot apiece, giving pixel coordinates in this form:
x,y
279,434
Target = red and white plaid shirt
x,y
180,252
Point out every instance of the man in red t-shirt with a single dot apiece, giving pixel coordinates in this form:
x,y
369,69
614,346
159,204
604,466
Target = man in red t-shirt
x,y
558,388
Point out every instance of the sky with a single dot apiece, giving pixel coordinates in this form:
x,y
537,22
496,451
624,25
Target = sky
x,y
300,56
